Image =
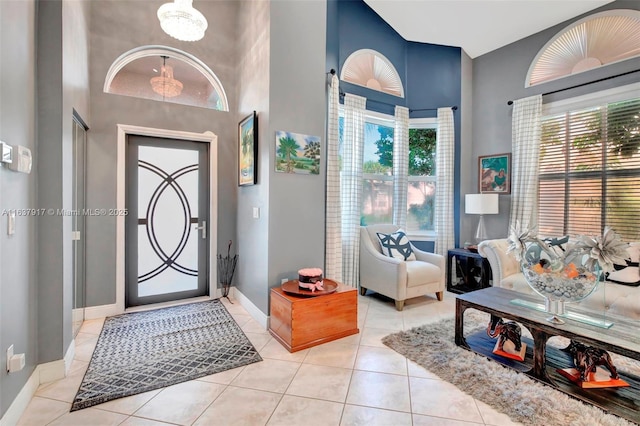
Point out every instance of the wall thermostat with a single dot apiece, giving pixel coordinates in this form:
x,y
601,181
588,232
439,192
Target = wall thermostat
x,y
21,159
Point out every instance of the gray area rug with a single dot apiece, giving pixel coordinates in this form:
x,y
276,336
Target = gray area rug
x,y
521,398
143,351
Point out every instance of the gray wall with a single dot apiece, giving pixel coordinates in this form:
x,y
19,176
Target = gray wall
x,y
499,76
117,27
18,311
282,76
62,87
253,94
297,103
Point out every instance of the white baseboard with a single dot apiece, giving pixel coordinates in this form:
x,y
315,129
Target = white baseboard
x,y
43,373
252,309
102,311
17,407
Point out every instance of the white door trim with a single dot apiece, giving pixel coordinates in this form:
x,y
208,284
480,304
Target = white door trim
x,y
208,137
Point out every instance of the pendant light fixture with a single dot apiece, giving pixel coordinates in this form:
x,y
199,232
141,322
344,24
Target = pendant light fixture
x,y
164,84
181,21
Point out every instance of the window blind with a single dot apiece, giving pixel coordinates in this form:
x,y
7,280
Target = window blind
x,y
590,171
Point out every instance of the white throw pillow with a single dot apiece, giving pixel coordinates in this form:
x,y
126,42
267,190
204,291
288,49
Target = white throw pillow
x,y
396,245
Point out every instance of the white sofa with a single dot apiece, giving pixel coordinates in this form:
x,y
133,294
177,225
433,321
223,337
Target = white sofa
x,y
609,297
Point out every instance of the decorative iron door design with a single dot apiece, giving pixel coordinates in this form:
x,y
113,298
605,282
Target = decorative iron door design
x,y
167,242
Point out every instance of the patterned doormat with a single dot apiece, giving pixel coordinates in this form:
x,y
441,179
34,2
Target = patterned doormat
x,y
143,351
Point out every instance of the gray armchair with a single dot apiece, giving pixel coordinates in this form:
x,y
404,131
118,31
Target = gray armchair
x,y
395,278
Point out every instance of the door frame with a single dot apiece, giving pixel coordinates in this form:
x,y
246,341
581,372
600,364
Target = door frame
x,y
208,137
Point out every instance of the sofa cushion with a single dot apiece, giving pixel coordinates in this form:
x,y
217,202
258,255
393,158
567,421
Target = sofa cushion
x,y
420,273
396,245
628,274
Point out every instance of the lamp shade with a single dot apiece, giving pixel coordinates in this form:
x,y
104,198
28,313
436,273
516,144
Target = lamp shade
x,y
481,204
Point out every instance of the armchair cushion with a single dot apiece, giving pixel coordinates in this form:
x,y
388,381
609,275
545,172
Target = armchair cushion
x,y
396,245
419,273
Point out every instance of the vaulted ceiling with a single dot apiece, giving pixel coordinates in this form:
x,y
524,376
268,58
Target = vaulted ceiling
x,y
477,26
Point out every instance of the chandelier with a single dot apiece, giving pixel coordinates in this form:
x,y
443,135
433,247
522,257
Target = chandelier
x,y
165,84
180,20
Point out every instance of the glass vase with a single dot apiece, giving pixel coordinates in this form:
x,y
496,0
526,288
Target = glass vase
x,y
559,277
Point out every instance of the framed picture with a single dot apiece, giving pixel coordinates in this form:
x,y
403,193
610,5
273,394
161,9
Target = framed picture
x,y
495,174
297,153
248,150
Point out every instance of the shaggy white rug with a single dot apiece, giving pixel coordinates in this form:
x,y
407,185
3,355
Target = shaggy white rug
x,y
524,400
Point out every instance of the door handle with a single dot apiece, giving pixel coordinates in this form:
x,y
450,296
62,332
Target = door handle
x,y
203,228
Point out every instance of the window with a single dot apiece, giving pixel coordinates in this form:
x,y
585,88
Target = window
x,y
590,170
377,173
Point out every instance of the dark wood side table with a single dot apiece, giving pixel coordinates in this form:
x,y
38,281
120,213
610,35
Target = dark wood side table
x,y
467,271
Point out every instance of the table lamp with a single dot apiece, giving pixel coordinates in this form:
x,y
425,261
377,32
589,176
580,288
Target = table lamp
x,y
481,204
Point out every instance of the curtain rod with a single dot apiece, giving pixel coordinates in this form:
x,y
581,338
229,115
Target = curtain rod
x,y
585,84
333,72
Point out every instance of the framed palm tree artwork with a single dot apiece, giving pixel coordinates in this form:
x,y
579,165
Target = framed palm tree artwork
x,y
297,153
248,150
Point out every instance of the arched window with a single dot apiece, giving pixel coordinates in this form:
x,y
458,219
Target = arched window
x,y
369,68
597,40
166,74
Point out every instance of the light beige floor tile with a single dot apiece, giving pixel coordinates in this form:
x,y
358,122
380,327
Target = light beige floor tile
x,y
382,360
415,370
379,390
493,417
420,420
78,367
129,404
42,411
62,390
253,326
182,403
84,351
83,337
321,382
373,336
354,339
235,307
384,320
239,406
89,416
442,399
139,421
241,319
269,375
274,350
355,415
294,410
333,354
258,340
93,326
224,377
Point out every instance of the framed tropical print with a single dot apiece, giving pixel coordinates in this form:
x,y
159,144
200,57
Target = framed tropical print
x,y
296,153
248,150
495,174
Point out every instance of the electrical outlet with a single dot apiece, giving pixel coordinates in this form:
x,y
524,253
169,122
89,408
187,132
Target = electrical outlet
x,y
9,356
284,280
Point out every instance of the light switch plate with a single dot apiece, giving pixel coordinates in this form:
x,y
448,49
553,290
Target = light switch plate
x,y
256,212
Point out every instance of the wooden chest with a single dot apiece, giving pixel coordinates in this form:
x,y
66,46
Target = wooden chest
x,y
301,322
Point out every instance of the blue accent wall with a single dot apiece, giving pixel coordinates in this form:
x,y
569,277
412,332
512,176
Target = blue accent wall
x,y
430,74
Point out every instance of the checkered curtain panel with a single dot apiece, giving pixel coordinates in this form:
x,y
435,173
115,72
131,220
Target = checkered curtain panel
x,y
333,229
351,186
400,166
526,134
444,181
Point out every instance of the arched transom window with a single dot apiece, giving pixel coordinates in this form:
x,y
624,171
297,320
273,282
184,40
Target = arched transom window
x,y
166,74
597,40
369,68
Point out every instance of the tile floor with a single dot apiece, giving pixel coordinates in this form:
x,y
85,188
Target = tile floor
x,y
352,381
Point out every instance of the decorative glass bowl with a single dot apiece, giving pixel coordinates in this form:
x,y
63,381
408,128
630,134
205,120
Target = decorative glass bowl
x,y
558,277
